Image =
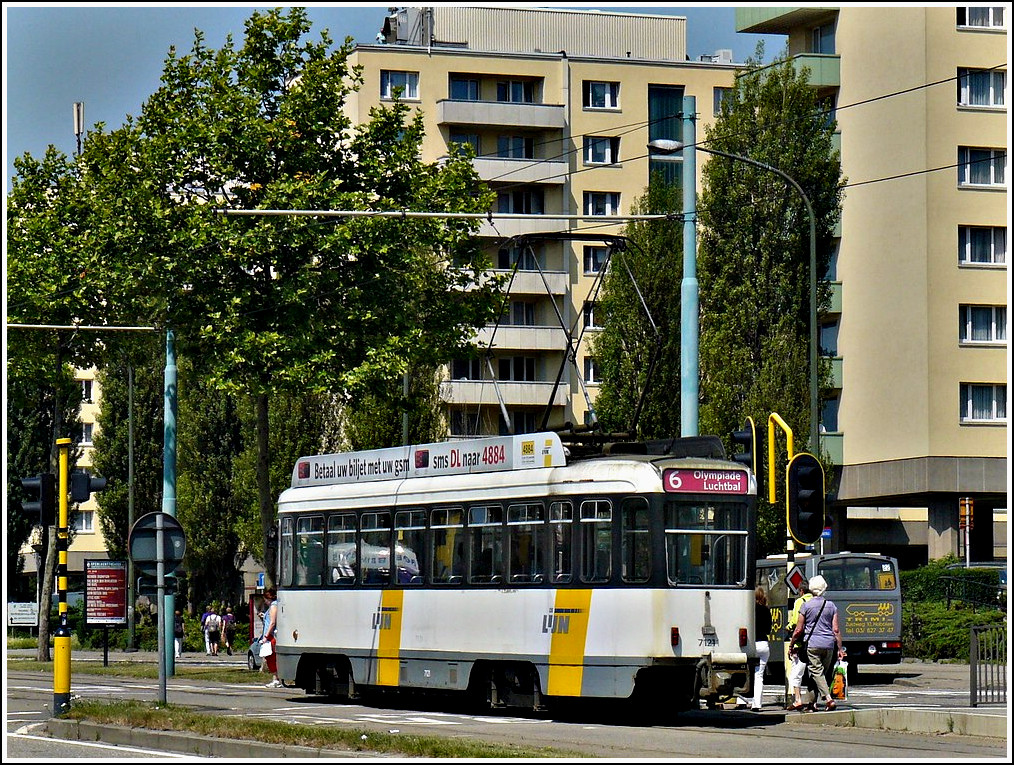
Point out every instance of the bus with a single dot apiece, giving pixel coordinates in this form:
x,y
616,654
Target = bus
x,y
519,572
865,588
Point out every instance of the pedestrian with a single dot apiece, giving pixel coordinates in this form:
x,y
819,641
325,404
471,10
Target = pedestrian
x,y
762,626
228,629
268,635
204,618
818,627
213,631
797,669
178,632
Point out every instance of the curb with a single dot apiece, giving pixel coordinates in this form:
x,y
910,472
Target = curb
x,y
189,743
910,720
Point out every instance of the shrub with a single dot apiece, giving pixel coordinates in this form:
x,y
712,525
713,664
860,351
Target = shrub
x,y
930,630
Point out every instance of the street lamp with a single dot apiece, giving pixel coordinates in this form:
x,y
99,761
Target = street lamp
x,y
665,146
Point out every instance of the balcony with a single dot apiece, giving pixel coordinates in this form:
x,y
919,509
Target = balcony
x,y
501,114
476,392
531,283
825,70
780,20
506,227
520,170
509,337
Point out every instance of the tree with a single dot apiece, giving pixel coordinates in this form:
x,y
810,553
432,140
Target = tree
x,y
267,305
624,350
753,256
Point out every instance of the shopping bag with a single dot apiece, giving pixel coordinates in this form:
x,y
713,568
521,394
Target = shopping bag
x,y
839,681
265,650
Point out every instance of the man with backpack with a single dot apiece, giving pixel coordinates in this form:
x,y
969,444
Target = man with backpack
x,y
213,630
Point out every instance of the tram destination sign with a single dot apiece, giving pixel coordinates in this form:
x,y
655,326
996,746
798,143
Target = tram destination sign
x,y
476,455
701,481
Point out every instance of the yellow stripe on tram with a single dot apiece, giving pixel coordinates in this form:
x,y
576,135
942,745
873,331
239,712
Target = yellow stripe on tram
x,y
569,626
389,637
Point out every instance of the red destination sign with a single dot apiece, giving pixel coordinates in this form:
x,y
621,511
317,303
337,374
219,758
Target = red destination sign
x,y
105,592
699,481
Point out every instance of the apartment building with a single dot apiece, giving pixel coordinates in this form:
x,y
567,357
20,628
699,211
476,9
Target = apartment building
x,y
918,332
558,106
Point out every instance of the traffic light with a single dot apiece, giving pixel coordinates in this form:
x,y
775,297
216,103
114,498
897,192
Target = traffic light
x,y
82,485
804,498
41,490
748,438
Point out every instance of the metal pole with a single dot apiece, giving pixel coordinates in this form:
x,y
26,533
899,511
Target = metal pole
x,y
131,595
61,637
164,667
689,295
168,658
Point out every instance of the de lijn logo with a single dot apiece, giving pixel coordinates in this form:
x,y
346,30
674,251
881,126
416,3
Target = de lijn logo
x,y
382,618
557,621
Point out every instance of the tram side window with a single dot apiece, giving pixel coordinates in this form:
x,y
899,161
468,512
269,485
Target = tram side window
x,y
285,553
485,527
596,540
561,527
636,540
706,544
341,548
526,528
447,537
410,546
375,548
309,551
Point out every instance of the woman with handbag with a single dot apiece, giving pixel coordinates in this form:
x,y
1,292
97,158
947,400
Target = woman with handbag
x,y
267,650
818,627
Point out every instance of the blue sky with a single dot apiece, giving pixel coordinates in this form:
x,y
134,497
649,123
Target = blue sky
x,y
110,57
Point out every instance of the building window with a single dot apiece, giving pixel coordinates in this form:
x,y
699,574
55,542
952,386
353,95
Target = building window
x,y
86,391
516,91
517,369
84,521
829,338
991,17
515,147
594,258
831,275
522,421
524,257
520,201
981,87
823,39
981,167
601,150
464,88
520,313
978,245
829,415
466,369
468,139
983,324
464,424
87,429
404,83
983,402
601,95
719,96
601,203
589,315
591,372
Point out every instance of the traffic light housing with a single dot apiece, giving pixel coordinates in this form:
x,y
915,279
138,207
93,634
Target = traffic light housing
x,y
82,485
804,498
748,438
41,490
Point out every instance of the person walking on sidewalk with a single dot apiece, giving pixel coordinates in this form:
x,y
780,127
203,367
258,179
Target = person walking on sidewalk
x,y
204,629
762,626
178,632
213,631
818,626
228,629
268,636
797,672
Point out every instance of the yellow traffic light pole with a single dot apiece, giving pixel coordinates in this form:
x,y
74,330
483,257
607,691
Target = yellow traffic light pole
x,y
790,549
61,638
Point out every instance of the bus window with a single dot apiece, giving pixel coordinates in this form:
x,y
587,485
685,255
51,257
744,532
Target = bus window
x,y
309,551
447,526
526,528
341,548
636,540
375,548
410,545
706,543
485,527
596,540
561,525
285,553
857,573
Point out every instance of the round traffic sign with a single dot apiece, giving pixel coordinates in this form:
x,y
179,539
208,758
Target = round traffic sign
x,y
142,543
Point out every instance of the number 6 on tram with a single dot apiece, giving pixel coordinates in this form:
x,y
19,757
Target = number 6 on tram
x,y
509,570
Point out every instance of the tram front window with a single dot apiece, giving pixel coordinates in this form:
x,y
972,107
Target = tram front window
x,y
706,543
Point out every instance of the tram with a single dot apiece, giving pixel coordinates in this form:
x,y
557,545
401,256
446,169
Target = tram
x,y
513,571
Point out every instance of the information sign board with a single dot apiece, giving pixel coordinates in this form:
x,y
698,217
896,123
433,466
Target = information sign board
x,y
105,592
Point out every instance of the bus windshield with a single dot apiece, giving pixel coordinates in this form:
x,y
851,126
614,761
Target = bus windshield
x,y
706,543
855,573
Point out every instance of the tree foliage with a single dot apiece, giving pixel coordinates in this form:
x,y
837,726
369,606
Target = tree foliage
x,y
649,268
754,256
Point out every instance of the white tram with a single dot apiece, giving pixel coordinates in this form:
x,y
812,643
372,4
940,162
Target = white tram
x,y
500,567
